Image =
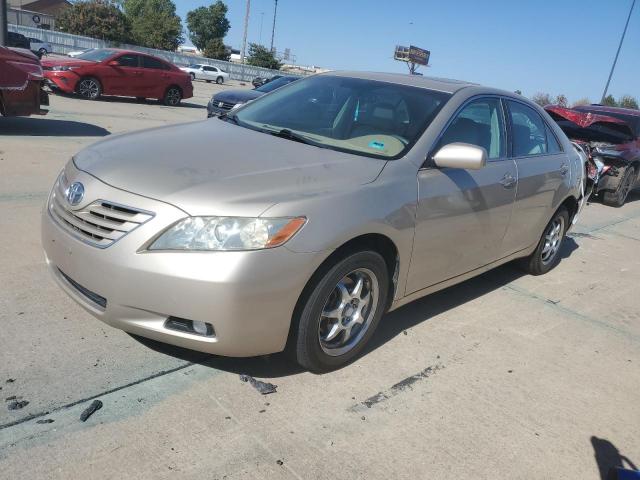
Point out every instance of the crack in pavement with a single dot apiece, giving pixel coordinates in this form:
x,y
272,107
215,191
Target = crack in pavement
x,y
93,397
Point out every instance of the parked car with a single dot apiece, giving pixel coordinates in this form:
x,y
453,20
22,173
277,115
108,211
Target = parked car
x,y
125,73
40,46
259,81
223,102
206,72
21,82
17,40
299,220
610,138
77,53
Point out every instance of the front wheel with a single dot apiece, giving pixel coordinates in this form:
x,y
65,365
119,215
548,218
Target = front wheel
x,y
89,88
547,254
341,311
617,198
173,97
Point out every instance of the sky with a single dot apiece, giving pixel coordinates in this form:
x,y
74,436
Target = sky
x,y
554,46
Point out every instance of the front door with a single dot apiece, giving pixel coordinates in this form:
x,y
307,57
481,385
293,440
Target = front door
x,y
463,215
123,78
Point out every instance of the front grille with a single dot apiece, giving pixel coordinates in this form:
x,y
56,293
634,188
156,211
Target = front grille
x,y
92,296
100,223
218,109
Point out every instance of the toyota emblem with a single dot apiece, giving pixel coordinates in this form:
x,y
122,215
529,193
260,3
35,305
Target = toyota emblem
x,y
75,193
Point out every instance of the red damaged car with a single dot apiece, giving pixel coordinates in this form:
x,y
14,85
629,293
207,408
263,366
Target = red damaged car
x,y
21,82
609,138
108,71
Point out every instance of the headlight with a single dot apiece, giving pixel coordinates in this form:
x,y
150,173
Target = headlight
x,y
227,233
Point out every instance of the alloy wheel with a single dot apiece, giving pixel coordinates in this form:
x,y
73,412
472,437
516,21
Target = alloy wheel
x,y
88,88
348,312
173,96
552,240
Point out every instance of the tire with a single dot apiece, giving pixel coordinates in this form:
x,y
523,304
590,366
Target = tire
x,y
89,88
172,97
219,80
322,343
193,76
547,254
43,51
617,198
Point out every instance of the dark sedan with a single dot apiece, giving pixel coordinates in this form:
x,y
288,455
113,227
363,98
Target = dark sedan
x,y
224,101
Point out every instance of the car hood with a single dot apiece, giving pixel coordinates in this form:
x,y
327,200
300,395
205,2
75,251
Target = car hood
x,y
67,62
590,126
236,96
218,168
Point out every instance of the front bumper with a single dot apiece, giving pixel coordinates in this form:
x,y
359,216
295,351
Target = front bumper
x,y
64,81
248,297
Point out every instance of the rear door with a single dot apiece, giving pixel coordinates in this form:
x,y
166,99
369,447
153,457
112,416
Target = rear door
x,y
155,77
125,78
210,73
463,215
543,175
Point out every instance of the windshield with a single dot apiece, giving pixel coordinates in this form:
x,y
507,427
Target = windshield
x,y
96,55
364,117
274,84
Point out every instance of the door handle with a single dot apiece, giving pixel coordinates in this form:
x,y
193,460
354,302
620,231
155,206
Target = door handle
x,y
564,169
508,180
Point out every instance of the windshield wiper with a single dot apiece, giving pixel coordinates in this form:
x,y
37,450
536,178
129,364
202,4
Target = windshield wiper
x,y
230,118
289,135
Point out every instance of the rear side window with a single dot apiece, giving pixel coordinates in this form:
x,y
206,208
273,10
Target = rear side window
x,y
552,142
528,130
128,60
210,69
479,123
150,62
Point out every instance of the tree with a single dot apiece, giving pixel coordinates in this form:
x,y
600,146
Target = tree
x,y
215,48
561,100
207,23
154,23
96,19
260,56
582,101
627,101
542,99
609,101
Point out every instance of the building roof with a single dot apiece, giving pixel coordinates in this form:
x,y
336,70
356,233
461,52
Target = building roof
x,y
38,5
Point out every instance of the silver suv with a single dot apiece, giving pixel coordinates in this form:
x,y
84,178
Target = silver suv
x,y
296,221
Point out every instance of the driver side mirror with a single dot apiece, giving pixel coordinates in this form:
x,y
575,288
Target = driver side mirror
x,y
461,155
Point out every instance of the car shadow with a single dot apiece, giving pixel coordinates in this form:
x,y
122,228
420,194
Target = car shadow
x,y
392,324
43,127
133,100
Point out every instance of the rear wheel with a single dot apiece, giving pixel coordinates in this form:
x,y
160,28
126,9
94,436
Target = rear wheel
x,y
219,80
43,51
172,97
193,76
617,198
547,254
340,312
89,88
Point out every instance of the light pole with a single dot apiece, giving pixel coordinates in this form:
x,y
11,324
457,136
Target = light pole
x,y
261,20
246,27
3,22
273,31
615,60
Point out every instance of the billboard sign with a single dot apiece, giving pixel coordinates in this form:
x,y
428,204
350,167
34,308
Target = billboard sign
x,y
418,55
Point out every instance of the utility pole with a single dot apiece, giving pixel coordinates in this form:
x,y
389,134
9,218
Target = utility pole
x,y
3,23
261,20
615,60
273,32
246,27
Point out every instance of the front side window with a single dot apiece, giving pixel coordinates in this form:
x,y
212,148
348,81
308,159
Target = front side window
x,y
128,60
96,55
364,117
479,123
528,130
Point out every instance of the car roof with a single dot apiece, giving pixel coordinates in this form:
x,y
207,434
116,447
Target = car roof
x,y
605,108
446,85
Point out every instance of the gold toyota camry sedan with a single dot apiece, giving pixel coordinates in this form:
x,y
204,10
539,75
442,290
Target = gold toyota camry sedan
x,y
296,221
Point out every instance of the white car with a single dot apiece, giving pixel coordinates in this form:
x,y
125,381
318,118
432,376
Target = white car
x,y
40,46
206,72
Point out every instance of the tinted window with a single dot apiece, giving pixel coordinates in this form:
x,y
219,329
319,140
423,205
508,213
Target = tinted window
x,y
274,84
96,55
552,142
365,117
150,62
479,123
210,69
128,60
528,131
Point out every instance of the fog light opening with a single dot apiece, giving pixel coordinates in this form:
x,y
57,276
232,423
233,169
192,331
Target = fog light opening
x,y
194,327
